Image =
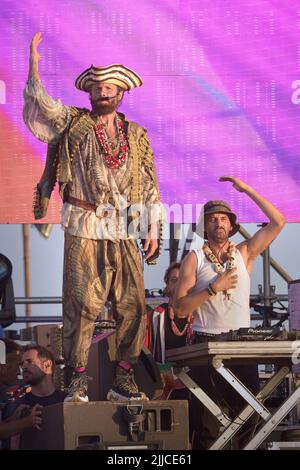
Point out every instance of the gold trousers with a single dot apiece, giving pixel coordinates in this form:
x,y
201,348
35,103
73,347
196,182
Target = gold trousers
x,y
96,271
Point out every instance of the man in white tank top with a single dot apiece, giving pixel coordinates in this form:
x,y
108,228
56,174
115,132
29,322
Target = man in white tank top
x,y
214,283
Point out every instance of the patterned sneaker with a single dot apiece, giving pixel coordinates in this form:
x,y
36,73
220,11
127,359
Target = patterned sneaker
x,y
77,390
124,387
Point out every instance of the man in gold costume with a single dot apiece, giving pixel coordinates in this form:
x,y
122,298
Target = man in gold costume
x,y
105,170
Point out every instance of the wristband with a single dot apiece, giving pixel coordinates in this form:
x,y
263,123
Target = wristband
x,y
212,289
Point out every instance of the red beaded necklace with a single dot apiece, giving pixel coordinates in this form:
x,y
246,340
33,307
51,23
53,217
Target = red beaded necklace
x,y
113,161
187,328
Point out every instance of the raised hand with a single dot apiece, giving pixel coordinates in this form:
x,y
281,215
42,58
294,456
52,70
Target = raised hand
x,y
238,184
35,42
34,56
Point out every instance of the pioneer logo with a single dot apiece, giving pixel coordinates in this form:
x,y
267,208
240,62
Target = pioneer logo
x,y
257,331
267,332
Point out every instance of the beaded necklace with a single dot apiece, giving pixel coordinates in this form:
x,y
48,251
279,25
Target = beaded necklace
x,y
111,160
231,255
187,328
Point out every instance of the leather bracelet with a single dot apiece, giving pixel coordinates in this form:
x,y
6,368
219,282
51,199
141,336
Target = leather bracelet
x,y
212,289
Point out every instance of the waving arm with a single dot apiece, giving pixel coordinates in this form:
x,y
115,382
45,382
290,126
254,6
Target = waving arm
x,y
250,249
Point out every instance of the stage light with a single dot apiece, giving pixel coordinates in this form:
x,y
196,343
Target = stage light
x,y
7,298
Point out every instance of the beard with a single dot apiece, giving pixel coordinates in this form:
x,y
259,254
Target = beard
x,y
218,236
34,379
103,106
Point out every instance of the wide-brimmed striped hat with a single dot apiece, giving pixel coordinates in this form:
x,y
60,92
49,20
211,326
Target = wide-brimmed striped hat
x,y
117,74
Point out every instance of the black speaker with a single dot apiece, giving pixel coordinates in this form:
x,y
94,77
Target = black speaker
x,y
102,363
39,334
111,426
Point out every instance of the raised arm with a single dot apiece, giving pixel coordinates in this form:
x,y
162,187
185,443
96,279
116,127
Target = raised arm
x,y
44,116
250,249
34,57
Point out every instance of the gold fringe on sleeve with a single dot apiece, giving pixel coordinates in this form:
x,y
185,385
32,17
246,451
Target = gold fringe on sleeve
x,y
142,156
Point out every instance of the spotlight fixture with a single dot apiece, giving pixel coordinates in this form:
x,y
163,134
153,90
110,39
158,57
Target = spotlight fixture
x,y
7,298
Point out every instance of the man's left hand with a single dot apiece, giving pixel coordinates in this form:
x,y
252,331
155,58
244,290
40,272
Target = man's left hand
x,y
238,184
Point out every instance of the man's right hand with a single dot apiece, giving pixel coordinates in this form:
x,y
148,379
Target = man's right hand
x,y
36,40
225,281
20,412
34,56
35,417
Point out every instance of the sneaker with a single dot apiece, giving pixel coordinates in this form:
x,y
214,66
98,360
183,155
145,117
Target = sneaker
x,y
77,390
124,387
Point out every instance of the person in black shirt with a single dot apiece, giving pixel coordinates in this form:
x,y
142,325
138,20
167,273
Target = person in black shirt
x,y
8,382
38,369
38,365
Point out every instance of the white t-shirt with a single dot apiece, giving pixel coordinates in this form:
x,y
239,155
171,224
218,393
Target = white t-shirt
x,y
219,314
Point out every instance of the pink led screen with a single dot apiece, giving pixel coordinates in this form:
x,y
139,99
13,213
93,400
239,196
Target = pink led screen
x,y
221,93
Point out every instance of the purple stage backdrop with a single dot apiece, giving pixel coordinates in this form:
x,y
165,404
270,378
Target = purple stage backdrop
x,y
221,93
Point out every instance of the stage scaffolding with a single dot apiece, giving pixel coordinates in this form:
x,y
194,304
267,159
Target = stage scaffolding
x,y
263,302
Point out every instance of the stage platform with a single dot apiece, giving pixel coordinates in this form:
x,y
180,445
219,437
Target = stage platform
x,y
223,353
111,426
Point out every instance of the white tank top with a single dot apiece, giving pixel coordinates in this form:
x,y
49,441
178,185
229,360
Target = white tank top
x,y
219,314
